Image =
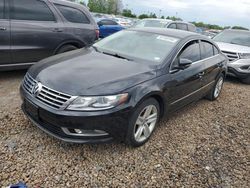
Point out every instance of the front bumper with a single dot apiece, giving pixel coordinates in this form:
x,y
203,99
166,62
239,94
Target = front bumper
x,y
238,68
54,121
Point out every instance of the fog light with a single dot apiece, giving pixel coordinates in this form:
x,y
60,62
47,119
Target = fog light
x,y
82,132
78,131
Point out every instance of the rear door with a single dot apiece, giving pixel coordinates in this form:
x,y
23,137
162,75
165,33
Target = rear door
x,y
212,64
78,23
186,83
35,32
4,33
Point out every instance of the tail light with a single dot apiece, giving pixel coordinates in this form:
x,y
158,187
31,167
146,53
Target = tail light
x,y
97,32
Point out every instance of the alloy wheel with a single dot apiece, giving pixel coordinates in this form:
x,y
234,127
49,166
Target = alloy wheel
x,y
218,87
145,123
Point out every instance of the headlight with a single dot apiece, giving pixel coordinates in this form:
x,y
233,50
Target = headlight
x,y
245,56
97,102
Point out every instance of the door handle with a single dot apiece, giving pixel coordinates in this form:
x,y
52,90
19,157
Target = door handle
x,y
57,30
2,28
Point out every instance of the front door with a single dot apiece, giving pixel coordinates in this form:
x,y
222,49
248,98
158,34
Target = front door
x,y
186,81
33,31
212,62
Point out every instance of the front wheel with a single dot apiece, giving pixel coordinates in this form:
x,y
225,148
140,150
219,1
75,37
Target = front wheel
x,y
217,88
66,48
143,122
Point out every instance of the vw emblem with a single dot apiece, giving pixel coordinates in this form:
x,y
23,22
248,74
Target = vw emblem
x,y
37,89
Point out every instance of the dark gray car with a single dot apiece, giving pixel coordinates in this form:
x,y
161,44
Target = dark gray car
x,y
31,30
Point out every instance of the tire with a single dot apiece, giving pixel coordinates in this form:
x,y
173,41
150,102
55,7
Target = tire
x,y
66,48
214,93
143,128
246,80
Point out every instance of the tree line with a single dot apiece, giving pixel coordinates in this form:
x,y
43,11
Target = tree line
x,y
116,7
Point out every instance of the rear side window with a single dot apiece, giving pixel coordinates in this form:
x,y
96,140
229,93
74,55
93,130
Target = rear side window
x,y
1,9
191,51
31,10
191,28
107,22
207,50
182,26
73,15
172,26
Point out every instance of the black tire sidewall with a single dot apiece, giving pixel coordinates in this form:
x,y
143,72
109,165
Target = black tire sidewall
x,y
66,48
130,140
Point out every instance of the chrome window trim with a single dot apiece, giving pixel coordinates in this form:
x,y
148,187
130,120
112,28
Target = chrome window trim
x,y
199,40
16,64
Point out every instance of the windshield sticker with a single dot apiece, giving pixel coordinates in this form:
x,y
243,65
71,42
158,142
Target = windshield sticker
x,y
168,39
157,58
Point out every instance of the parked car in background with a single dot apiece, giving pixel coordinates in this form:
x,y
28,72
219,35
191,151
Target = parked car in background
x,y
123,22
165,23
208,34
108,27
123,85
235,44
31,30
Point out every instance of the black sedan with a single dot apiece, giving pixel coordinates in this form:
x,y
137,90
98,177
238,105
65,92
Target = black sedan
x,y
122,86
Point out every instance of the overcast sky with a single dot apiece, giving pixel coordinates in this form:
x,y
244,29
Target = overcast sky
x,y
222,12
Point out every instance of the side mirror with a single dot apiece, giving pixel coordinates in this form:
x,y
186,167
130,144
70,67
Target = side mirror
x,y
185,62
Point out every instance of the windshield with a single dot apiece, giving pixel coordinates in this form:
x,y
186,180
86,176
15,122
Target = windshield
x,y
137,45
151,23
234,37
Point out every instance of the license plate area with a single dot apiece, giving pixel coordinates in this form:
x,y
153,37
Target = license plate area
x,y
31,109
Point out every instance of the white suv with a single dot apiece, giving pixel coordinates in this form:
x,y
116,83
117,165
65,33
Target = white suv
x,y
235,44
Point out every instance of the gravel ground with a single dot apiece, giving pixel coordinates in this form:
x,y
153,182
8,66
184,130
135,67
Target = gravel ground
x,y
207,144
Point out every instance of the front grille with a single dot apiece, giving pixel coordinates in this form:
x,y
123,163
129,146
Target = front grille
x,y
232,56
29,83
46,95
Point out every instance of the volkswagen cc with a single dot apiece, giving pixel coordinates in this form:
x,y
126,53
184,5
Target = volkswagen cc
x,y
122,86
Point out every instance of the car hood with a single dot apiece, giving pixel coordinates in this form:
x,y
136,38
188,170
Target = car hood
x,y
87,72
233,47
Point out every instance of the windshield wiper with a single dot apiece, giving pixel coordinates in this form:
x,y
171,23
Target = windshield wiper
x,y
117,55
95,48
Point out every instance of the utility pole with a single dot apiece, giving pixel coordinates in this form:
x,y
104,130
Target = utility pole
x,y
160,13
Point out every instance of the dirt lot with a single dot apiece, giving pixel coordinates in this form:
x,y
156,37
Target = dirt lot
x,y
205,145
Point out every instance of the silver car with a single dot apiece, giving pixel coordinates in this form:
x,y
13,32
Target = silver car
x,y
235,44
165,23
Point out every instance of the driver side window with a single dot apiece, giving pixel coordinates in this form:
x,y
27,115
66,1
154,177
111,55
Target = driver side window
x,y
190,51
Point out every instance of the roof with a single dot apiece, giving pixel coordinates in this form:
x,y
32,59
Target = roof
x,y
68,3
167,20
158,19
237,30
168,32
